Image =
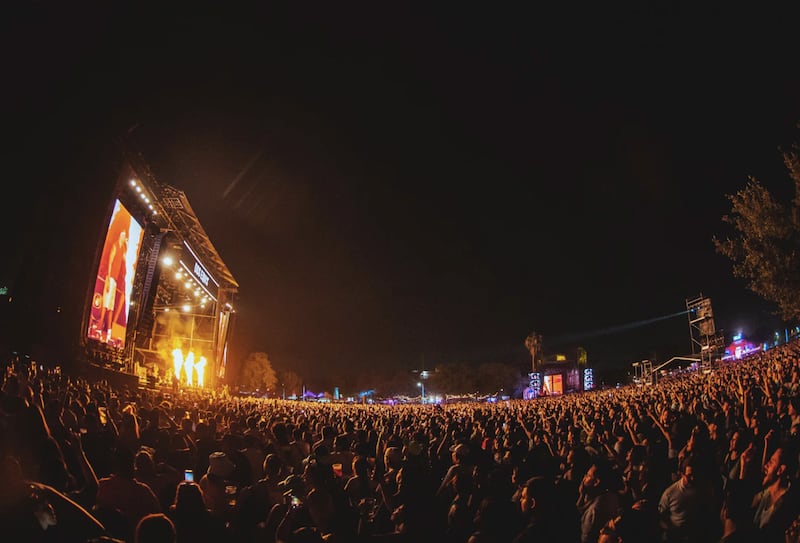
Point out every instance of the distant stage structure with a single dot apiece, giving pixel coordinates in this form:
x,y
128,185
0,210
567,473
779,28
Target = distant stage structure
x,y
708,344
556,374
161,302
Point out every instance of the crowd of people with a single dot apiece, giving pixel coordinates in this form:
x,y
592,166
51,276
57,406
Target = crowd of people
x,y
711,455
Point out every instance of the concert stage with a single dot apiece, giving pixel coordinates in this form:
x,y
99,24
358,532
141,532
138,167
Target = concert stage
x,y
162,300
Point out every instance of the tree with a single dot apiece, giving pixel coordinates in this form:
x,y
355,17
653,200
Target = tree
x,y
582,357
534,345
765,245
290,382
455,378
491,377
257,372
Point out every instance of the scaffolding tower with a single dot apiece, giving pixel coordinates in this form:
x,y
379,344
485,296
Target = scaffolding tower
x,y
643,373
707,341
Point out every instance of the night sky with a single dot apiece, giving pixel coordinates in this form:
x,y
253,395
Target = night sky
x,y
398,188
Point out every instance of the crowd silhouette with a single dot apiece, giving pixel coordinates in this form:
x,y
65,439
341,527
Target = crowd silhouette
x,y
703,456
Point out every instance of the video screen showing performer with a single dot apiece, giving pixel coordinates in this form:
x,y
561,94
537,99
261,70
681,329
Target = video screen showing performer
x,y
108,319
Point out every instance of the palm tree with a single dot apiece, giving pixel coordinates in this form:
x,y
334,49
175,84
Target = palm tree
x,y
534,345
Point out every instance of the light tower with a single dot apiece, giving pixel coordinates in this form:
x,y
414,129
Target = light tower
x,y
706,340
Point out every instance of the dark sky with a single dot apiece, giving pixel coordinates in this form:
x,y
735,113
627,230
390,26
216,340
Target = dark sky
x,y
394,187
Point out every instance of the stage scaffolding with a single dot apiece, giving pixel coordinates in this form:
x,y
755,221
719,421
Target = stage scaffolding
x,y
163,315
707,341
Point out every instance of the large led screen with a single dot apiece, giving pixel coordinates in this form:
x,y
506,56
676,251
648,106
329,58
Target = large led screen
x,y
108,320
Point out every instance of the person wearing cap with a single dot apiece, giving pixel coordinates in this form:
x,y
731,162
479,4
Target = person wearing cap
x,y
214,481
219,465
461,465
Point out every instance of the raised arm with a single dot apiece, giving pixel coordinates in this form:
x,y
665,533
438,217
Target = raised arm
x,y
631,433
661,428
87,471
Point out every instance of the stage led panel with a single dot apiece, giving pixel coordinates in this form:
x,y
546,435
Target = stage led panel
x,y
108,318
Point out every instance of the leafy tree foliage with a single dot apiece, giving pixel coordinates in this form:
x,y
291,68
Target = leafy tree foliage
x,y
257,372
582,356
370,379
400,382
291,382
534,345
765,245
453,378
493,377
485,378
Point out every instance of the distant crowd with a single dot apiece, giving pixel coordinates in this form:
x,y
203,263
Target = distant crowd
x,y
708,456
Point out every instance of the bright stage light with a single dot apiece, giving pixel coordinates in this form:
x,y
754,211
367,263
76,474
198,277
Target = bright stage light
x,y
186,308
167,260
200,367
188,367
177,362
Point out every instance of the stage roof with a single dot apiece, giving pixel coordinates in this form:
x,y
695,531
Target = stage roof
x,y
180,218
176,205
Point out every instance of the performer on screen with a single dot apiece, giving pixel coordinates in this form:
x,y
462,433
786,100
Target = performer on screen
x,y
114,256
